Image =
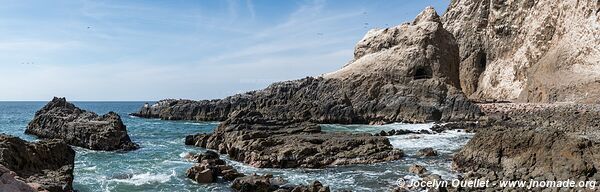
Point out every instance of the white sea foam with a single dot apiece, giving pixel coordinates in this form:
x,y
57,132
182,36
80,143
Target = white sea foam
x,y
185,154
146,178
447,141
89,168
376,128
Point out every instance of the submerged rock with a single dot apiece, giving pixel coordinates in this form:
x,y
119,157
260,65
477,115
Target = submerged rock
x,y
60,119
417,169
47,165
407,73
427,152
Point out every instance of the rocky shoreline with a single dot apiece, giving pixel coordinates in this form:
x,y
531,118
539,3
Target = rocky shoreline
x,y
264,143
433,69
400,74
275,127
407,73
534,141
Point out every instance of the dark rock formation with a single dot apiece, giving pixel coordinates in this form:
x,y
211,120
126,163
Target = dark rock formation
x,y
427,152
60,119
49,163
400,132
534,50
417,169
210,167
543,142
249,138
268,183
407,73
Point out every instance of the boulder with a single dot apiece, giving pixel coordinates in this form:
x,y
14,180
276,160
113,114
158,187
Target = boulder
x,y
427,152
60,119
417,169
210,167
47,164
406,73
201,174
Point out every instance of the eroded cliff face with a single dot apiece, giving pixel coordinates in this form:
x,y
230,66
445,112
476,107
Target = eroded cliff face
x,y
528,50
407,73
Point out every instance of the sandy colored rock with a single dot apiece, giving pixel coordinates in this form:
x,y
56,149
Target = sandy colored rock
x,y
535,51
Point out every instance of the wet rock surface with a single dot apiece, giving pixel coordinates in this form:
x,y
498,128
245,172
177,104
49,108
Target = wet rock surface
x,y
287,144
210,167
268,183
60,119
47,165
427,152
407,73
417,169
553,142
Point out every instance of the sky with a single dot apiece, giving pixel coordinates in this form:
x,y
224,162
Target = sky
x,y
150,50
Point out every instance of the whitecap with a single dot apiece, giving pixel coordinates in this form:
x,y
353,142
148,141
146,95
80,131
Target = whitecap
x,y
89,168
146,178
185,154
446,142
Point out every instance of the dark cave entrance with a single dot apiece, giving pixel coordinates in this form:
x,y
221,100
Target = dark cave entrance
x,y
481,61
423,73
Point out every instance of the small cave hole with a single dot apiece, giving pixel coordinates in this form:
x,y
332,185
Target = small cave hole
x,y
423,73
481,61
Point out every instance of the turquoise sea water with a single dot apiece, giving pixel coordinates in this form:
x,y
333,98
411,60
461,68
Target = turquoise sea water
x,y
159,164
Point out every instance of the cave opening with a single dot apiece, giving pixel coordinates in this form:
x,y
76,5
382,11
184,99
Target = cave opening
x,y
481,61
423,73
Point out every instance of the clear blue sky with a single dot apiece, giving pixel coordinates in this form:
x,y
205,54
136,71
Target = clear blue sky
x,y
149,50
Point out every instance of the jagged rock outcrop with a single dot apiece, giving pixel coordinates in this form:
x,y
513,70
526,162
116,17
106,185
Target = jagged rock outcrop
x,y
268,183
47,165
60,119
407,73
210,167
544,142
250,138
532,50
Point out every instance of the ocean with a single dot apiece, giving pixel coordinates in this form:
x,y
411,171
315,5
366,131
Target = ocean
x,y
159,164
